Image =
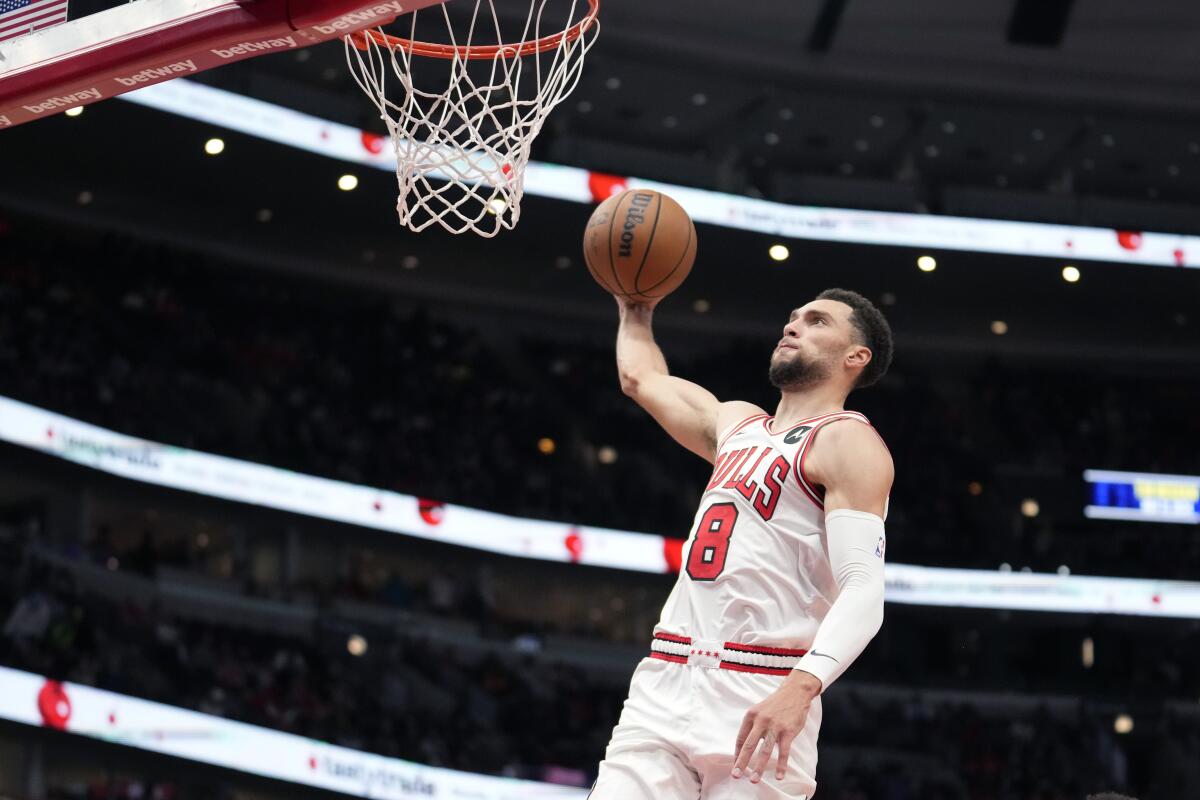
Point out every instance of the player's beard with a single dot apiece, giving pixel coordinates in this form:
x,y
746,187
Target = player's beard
x,y
797,372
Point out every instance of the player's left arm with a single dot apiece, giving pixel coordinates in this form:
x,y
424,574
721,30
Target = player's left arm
x,y
852,463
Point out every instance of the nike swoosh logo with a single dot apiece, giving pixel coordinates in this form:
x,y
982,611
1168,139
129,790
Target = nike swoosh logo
x,y
823,655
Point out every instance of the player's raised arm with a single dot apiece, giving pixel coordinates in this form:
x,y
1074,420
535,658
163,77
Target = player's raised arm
x,y
685,410
690,413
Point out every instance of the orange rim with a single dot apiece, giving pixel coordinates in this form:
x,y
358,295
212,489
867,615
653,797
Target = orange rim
x,y
477,52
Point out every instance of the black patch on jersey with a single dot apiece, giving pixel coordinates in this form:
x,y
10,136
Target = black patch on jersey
x,y
796,434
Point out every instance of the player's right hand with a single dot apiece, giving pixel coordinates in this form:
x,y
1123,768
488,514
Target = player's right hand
x,y
774,723
628,304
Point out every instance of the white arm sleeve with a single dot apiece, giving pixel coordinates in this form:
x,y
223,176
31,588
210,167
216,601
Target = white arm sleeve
x,y
856,554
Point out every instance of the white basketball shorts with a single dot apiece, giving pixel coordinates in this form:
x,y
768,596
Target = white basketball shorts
x,y
676,736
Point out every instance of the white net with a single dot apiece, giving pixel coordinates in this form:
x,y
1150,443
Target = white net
x,y
461,149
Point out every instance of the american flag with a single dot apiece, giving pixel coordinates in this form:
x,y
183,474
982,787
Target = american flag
x,y
18,17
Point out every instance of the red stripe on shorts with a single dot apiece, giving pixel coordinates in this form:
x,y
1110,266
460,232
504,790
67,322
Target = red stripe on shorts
x,y
760,670
670,637
668,657
762,650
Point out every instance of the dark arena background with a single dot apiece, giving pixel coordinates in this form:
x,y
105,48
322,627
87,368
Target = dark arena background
x,y
296,503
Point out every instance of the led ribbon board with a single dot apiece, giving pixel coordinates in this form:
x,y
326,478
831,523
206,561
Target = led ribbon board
x,y
392,512
1143,496
334,140
35,700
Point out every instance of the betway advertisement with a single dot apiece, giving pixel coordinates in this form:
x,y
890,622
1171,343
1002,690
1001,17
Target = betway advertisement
x,y
35,700
391,512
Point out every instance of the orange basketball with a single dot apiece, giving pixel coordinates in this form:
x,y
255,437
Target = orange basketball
x,y
639,244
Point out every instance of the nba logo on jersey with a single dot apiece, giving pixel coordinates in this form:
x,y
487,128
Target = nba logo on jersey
x,y
879,548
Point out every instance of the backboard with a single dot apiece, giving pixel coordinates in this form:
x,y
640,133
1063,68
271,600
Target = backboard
x,y
139,44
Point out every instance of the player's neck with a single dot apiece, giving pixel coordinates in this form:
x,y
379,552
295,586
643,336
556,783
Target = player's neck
x,y
813,401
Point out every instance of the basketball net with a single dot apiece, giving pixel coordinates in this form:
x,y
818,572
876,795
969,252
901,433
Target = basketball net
x,y
461,151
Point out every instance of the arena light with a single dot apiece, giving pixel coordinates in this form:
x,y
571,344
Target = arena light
x,y
348,182
607,455
356,645
214,146
1070,274
999,327
701,306
1087,653
975,488
74,112
778,252
1123,724
496,206
546,446
1030,507
927,263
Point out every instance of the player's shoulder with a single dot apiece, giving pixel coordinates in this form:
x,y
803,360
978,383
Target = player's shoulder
x,y
732,416
734,412
853,438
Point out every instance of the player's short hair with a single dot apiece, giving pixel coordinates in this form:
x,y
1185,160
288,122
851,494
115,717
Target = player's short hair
x,y
873,331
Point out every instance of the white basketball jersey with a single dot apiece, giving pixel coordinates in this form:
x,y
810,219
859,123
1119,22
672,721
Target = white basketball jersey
x,y
756,567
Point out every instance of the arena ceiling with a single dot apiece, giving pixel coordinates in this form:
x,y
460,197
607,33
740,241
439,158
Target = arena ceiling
x,y
1053,110
856,103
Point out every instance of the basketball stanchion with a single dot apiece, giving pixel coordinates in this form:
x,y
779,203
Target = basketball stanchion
x,y
461,149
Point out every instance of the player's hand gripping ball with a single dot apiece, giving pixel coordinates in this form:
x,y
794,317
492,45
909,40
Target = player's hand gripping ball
x,y
639,245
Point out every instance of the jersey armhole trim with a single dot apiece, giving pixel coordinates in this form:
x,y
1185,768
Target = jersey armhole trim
x,y
798,461
817,418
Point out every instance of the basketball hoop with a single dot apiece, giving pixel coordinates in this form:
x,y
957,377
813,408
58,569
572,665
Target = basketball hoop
x,y
461,150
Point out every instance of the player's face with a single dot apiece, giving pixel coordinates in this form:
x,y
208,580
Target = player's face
x,y
812,344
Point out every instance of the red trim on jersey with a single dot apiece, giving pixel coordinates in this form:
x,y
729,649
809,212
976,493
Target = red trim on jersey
x,y
802,453
738,427
762,650
668,657
670,637
767,423
759,670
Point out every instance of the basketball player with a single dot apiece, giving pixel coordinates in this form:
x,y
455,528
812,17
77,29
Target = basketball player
x,y
781,586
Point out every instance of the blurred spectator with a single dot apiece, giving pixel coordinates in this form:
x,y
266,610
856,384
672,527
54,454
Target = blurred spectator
x,y
340,382
512,712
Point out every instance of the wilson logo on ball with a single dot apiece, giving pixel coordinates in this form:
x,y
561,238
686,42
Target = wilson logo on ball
x,y
635,216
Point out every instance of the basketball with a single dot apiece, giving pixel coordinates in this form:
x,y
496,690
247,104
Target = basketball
x,y
639,244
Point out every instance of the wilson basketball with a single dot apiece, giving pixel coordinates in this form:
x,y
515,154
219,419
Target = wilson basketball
x,y
639,244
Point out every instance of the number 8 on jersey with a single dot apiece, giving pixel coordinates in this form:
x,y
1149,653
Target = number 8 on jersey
x,y
710,545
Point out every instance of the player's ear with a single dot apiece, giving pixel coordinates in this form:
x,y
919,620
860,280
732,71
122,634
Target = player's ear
x,y
859,356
